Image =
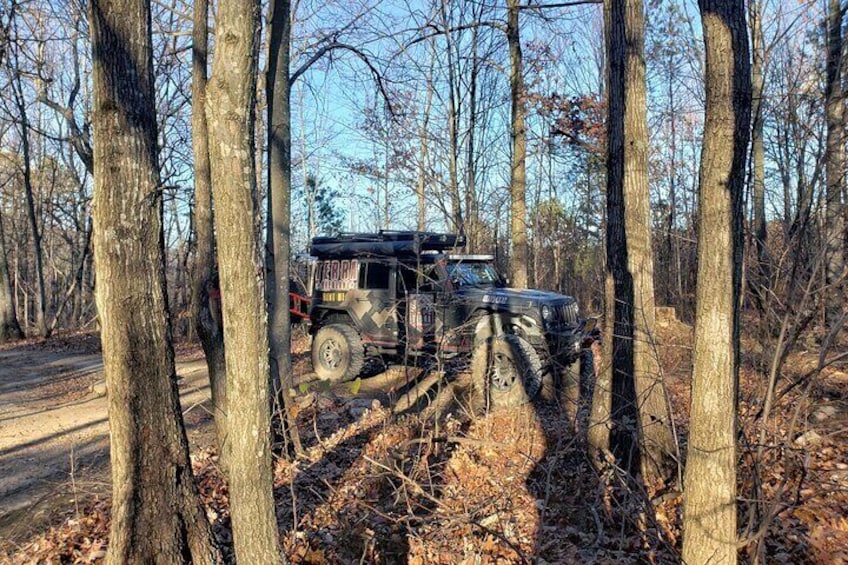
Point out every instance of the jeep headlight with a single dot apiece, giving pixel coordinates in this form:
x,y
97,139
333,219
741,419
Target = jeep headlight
x,y
547,313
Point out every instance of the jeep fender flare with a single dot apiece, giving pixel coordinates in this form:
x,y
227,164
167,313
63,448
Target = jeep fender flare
x,y
489,324
329,316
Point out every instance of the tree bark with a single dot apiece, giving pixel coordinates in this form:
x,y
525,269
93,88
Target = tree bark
x,y
32,216
757,147
230,117
638,390
472,216
157,516
278,94
709,522
600,415
518,135
835,160
424,151
10,329
206,295
453,119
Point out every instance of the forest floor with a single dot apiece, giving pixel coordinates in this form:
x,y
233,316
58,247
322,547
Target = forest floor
x,y
54,430
429,484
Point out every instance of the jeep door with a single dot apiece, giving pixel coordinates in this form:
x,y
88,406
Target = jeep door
x,y
417,306
374,305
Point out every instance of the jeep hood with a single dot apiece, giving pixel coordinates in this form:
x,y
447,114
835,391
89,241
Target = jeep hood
x,y
513,296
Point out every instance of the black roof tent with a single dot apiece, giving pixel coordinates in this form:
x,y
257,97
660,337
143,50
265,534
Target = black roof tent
x,y
384,243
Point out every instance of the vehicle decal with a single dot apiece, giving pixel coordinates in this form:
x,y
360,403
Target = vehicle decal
x,y
336,274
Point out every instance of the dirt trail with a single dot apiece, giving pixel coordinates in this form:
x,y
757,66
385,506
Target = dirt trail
x,y
54,432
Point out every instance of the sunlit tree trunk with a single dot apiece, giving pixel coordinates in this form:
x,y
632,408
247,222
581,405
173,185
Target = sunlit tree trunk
x,y
157,516
230,117
638,395
424,150
758,176
709,521
206,295
9,327
278,94
29,192
453,117
518,135
835,159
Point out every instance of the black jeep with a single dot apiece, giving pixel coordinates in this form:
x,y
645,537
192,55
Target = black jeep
x,y
407,294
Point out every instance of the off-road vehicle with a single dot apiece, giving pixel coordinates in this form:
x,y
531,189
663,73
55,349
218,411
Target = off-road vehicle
x,y
409,295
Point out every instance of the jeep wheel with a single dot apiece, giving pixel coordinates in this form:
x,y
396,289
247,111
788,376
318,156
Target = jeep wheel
x,y
337,353
505,371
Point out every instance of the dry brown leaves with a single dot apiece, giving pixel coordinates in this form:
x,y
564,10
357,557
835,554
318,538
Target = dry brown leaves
x,y
515,487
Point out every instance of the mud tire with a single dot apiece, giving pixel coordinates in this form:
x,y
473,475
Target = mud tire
x,y
337,353
506,371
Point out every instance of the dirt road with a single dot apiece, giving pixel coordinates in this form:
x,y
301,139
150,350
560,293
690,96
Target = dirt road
x,y
54,432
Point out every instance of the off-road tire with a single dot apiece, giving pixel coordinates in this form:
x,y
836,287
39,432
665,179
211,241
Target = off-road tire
x,y
337,353
505,371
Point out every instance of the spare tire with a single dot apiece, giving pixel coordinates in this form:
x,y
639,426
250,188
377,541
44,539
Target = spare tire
x,y
337,353
506,371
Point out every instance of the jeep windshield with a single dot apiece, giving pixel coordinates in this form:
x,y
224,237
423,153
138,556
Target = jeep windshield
x,y
473,274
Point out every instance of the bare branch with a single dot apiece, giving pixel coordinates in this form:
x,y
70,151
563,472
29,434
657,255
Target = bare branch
x,y
558,4
333,46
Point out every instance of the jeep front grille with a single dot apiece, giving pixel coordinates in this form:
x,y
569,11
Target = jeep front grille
x,y
567,313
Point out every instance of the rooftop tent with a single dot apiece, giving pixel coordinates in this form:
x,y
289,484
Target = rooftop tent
x,y
383,244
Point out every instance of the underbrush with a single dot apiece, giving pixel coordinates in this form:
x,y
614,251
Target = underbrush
x,y
517,487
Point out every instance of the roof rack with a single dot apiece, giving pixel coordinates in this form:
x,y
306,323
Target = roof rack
x,y
384,243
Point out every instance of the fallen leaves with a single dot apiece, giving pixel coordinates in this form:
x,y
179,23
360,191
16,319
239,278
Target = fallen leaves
x,y
511,487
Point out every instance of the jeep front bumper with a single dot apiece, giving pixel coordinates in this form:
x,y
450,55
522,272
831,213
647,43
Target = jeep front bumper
x,y
564,346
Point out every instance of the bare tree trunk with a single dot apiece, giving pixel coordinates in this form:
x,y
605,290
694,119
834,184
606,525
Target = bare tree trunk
x,y
600,415
709,521
518,177
157,516
423,155
638,391
35,230
206,294
757,148
674,288
278,89
230,117
453,130
472,220
9,327
835,160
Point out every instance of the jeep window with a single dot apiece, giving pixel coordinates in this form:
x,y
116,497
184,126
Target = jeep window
x,y
473,274
413,280
374,276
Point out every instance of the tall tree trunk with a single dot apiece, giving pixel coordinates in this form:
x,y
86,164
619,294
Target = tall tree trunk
x,y
600,414
206,294
835,159
10,329
638,391
757,149
278,94
709,522
157,516
518,136
230,117
424,151
674,286
32,216
453,119
472,222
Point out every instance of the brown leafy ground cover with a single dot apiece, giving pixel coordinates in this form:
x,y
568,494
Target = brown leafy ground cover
x,y
516,487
